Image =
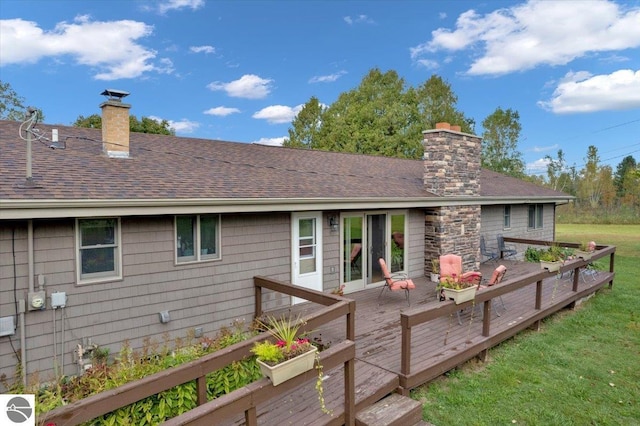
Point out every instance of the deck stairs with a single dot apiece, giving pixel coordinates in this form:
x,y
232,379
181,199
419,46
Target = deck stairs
x,y
393,410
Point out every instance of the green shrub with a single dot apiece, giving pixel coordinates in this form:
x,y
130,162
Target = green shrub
x,y
132,365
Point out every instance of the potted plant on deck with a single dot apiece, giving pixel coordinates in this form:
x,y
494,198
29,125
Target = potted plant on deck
x,y
435,270
585,251
289,356
552,258
459,291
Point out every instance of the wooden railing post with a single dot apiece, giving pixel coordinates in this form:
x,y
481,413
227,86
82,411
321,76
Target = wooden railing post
x,y
350,392
405,354
250,417
258,300
539,295
576,278
611,268
351,321
201,389
486,320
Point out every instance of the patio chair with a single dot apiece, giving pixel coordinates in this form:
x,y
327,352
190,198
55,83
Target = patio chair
x,y
496,278
395,282
354,257
451,267
489,252
506,250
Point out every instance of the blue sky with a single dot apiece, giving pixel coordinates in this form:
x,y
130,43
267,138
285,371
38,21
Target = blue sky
x,y
240,70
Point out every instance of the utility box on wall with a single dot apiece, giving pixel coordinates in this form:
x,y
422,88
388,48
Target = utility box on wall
x,y
7,326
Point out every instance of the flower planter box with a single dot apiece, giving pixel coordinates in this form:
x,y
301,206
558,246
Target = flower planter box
x,y
460,296
551,266
290,368
585,255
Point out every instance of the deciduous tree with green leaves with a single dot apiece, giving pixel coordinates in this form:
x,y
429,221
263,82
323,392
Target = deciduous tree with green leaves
x,y
500,143
12,105
305,127
145,125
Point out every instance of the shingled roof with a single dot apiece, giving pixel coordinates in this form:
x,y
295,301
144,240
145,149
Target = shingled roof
x,y
178,168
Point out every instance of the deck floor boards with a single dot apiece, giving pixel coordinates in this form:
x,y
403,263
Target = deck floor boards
x,y
378,340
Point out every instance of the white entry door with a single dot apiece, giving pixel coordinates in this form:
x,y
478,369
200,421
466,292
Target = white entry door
x,y
306,246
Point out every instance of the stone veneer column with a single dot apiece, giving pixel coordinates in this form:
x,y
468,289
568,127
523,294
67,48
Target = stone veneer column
x,y
452,170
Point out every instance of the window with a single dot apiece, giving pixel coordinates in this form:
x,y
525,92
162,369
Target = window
x,y
197,238
535,216
507,217
99,255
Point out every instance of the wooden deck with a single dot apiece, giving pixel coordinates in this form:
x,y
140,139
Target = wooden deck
x,y
436,346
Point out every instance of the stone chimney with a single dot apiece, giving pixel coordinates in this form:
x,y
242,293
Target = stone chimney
x,y
452,170
115,124
451,161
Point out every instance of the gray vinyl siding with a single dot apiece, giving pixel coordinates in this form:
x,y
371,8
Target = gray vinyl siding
x,y
492,218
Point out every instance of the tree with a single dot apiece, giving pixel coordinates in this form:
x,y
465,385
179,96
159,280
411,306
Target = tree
x,y
12,105
500,143
306,126
146,125
381,117
559,176
436,103
627,163
593,183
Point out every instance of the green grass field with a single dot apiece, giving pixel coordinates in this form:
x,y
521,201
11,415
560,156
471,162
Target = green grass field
x,y
582,368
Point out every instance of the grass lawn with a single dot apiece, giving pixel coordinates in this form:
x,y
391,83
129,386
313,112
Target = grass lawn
x,y
582,368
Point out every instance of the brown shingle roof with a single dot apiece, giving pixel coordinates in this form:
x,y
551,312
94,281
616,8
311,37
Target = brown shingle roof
x,y
169,167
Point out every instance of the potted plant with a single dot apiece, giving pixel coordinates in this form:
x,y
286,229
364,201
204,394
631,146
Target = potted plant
x,y
459,291
435,270
585,251
552,258
289,356
338,290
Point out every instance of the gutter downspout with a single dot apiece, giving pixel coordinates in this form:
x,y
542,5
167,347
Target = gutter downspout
x,y
23,308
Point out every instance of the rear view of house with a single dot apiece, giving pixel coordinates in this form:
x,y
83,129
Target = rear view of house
x,y
116,236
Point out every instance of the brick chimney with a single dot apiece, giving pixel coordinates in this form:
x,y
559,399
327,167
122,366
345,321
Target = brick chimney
x,y
115,124
452,170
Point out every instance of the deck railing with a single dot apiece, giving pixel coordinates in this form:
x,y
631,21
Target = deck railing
x,y
412,376
242,401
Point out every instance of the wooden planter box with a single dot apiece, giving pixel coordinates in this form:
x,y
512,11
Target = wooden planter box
x,y
585,255
551,266
290,368
460,296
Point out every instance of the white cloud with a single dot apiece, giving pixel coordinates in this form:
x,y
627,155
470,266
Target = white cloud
x,y
182,126
248,86
110,47
276,114
583,92
202,49
270,141
327,78
360,19
221,111
537,166
428,64
544,148
537,32
167,5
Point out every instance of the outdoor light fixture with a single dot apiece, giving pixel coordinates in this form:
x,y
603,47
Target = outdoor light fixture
x,y
333,223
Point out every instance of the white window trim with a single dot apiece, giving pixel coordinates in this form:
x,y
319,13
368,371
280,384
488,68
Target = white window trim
x,y
504,216
117,274
197,251
538,213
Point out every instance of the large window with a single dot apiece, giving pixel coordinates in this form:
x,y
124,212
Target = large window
x,y
507,217
197,238
99,255
535,216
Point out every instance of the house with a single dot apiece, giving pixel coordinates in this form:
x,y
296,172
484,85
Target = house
x,y
107,236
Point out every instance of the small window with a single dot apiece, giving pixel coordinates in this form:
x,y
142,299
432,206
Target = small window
x,y
507,217
99,254
197,238
535,216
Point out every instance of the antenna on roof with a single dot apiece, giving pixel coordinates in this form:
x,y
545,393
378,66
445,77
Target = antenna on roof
x,y
115,95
